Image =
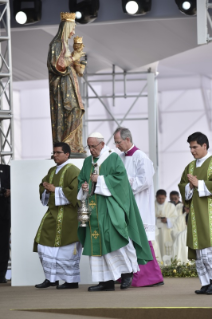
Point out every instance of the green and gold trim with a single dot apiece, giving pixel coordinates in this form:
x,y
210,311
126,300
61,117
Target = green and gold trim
x,y
194,226
95,234
191,168
209,175
60,211
47,213
209,172
40,228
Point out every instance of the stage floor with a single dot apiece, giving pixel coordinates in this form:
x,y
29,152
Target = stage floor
x,y
176,299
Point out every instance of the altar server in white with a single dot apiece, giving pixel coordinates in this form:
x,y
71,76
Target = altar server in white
x,y
175,199
166,214
140,173
179,235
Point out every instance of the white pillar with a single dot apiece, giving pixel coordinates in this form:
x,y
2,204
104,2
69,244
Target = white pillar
x,y
202,28
153,126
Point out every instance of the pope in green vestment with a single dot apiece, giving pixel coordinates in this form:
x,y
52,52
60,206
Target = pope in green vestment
x,y
59,225
114,219
199,235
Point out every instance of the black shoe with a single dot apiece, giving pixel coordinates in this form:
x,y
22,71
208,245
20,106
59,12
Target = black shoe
x,y
47,284
3,280
202,290
155,285
68,285
209,290
103,286
126,280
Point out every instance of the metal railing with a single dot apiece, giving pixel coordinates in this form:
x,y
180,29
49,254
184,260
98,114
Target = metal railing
x,y
6,110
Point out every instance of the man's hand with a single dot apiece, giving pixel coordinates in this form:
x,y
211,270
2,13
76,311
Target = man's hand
x,y
49,187
94,178
164,220
7,193
193,180
85,187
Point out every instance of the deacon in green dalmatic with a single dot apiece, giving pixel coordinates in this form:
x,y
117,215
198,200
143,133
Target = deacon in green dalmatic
x,y
115,238
56,240
196,191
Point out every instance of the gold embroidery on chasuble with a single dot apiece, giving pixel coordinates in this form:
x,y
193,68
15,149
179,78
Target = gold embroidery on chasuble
x,y
94,227
95,235
60,211
209,175
192,212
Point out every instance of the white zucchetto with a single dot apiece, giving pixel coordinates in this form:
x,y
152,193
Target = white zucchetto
x,y
96,134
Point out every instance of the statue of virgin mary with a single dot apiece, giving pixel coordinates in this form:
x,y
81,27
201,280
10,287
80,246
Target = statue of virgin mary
x,y
65,100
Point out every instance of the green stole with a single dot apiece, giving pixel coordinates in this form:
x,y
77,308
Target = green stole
x,y
93,224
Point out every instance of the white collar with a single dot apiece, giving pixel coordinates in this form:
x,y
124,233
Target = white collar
x,y
160,205
103,150
201,160
58,167
129,149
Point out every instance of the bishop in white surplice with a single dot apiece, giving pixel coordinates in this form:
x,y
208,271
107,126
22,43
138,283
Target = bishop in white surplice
x,y
140,173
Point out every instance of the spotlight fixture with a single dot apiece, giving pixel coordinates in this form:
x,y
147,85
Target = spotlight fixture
x,y
86,10
27,11
188,7
136,7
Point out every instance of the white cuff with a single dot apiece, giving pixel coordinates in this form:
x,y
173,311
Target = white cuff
x,y
202,189
188,192
82,194
45,198
169,223
101,187
60,198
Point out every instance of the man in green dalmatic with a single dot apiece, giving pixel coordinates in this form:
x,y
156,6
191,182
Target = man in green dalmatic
x,y
196,191
56,240
115,238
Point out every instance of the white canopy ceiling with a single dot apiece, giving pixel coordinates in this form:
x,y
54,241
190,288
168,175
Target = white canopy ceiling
x,y
130,44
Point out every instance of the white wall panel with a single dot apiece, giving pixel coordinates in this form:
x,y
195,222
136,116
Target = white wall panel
x,y
27,212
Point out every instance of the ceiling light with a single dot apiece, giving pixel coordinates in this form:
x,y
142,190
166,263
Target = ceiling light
x,y
187,7
27,11
132,7
78,15
86,10
21,17
136,7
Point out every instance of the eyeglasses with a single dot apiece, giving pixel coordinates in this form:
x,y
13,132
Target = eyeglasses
x,y
57,153
92,146
118,142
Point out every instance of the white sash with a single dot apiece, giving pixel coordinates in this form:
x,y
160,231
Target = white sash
x,y
103,157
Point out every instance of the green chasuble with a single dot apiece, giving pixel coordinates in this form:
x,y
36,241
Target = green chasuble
x,y
114,219
59,225
199,235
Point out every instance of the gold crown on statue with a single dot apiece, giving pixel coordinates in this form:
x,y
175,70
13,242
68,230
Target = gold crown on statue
x,y
78,39
67,16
